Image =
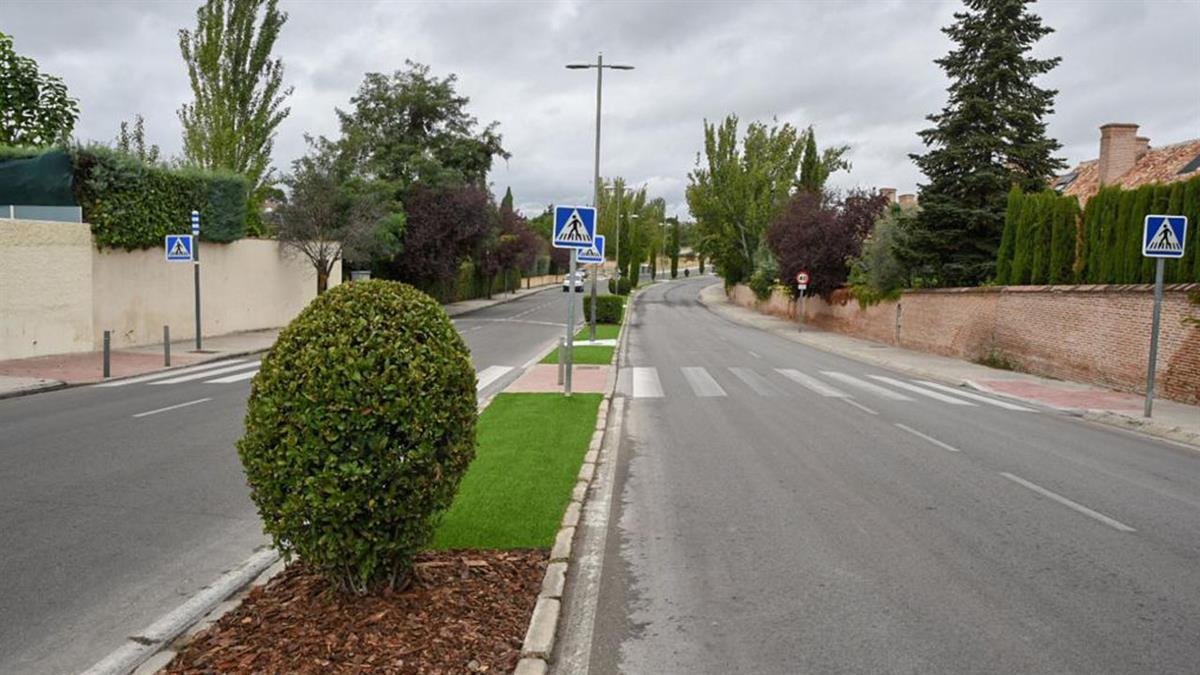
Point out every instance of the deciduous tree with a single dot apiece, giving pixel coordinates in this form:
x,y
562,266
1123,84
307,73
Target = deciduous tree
x,y
35,108
820,233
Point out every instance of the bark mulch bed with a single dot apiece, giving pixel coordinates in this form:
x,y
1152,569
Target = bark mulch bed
x,y
465,612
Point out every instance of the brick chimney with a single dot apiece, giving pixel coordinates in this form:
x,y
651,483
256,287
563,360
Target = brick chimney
x,y
908,201
1143,145
1118,150
890,193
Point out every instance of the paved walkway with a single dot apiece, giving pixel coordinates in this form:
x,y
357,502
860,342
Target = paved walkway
x,y
1175,421
544,377
41,373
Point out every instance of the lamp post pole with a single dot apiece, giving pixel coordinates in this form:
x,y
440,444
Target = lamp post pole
x,y
599,66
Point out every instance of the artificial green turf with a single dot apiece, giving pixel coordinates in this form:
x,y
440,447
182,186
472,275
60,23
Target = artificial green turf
x,y
592,355
604,331
530,449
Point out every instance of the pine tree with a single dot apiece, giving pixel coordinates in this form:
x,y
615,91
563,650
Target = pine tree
x,y
989,136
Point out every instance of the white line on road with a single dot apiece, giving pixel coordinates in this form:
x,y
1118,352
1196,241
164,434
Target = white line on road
x,y
755,355
811,383
172,407
922,391
491,374
866,386
236,377
169,373
646,384
957,391
702,383
757,382
926,437
1115,524
209,373
860,406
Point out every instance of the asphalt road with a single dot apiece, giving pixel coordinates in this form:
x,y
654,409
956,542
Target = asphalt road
x,y
116,506
778,509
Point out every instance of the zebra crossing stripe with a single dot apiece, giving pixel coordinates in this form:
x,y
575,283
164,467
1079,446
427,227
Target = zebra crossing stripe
x,y
646,383
752,379
866,386
812,383
170,373
210,373
976,397
236,377
922,391
702,383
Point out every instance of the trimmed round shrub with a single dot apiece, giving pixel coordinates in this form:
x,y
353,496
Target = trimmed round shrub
x,y
360,424
609,308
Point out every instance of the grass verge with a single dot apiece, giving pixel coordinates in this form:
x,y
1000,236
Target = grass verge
x,y
604,331
587,356
530,449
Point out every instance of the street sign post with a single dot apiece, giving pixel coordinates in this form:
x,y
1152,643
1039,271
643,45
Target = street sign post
x,y
179,248
1163,237
802,285
574,229
196,270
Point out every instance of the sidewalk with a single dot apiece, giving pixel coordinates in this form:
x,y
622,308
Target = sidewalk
x,y
43,373
1173,421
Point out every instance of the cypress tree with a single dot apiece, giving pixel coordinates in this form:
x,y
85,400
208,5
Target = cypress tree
x,y
1004,256
989,136
1039,245
1142,199
1022,260
1182,268
1062,244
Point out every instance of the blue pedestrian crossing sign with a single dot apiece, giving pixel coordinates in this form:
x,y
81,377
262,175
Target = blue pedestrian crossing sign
x,y
593,254
179,248
574,226
1164,236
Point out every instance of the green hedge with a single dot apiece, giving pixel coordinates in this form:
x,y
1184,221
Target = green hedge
x,y
619,289
1048,241
132,205
609,308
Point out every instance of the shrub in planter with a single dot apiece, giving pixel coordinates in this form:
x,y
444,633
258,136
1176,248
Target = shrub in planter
x,y
609,308
360,424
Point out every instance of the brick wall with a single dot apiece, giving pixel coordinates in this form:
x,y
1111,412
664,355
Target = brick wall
x,y
1094,334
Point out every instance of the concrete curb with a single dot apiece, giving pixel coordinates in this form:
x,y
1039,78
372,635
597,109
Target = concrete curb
x,y
542,633
1107,418
155,639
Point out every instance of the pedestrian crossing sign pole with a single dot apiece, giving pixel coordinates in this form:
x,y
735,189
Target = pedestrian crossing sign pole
x,y
574,229
1162,237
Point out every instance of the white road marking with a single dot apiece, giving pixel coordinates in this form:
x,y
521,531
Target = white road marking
x,y
210,373
236,377
172,407
976,397
755,355
702,383
922,391
757,382
646,383
866,386
860,406
1115,524
926,437
169,373
491,374
812,383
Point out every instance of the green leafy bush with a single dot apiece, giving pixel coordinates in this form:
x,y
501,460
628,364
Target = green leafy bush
x,y
609,308
622,288
359,426
133,205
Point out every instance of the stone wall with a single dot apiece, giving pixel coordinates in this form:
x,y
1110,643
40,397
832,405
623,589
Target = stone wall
x,y
1094,334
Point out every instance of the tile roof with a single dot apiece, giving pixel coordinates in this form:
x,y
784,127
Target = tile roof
x,y
1158,165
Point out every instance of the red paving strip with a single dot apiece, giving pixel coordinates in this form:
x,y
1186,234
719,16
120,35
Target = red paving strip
x,y
544,377
1084,399
89,366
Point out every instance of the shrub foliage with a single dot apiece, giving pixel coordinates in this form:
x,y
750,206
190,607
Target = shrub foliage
x,y
609,308
359,427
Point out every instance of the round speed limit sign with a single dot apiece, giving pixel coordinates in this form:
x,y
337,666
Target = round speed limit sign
x,y
802,277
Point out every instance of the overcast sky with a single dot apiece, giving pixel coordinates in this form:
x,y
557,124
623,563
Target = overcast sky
x,y
860,72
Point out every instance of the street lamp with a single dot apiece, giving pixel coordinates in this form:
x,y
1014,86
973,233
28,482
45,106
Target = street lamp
x,y
599,66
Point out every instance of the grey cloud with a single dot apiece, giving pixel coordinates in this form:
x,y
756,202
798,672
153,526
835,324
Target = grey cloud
x,y
860,72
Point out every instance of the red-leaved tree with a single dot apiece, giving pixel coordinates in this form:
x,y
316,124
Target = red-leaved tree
x,y
819,232
445,225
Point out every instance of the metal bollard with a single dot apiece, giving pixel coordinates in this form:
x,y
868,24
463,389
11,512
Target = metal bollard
x,y
107,349
561,353
167,346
